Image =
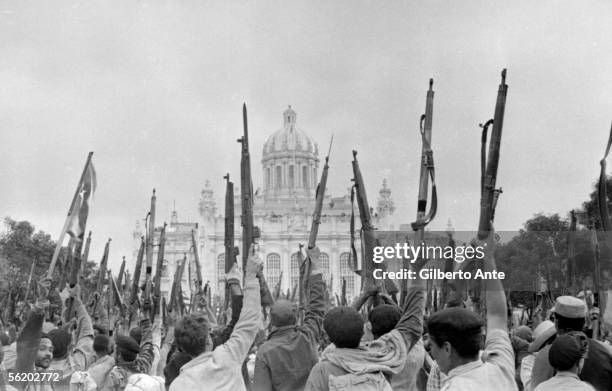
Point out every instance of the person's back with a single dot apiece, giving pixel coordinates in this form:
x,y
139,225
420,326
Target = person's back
x,y
344,364
284,361
566,356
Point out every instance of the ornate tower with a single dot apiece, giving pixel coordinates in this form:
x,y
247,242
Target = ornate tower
x,y
290,162
207,205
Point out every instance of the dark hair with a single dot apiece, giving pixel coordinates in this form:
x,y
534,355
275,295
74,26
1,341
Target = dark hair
x,y
173,366
60,339
566,351
344,326
127,347
569,324
190,333
100,344
461,328
136,333
4,339
384,318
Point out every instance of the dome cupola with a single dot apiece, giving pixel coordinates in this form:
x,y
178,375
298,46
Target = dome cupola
x,y
290,161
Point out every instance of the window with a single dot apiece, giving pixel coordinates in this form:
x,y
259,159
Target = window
x,y
268,179
291,177
347,274
294,271
324,263
279,178
305,176
273,270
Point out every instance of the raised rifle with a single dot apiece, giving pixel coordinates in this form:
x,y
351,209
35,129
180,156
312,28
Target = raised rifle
x,y
121,272
75,268
571,254
305,266
136,280
427,172
249,231
489,177
230,250
117,298
368,241
196,257
149,252
158,271
101,278
175,292
604,216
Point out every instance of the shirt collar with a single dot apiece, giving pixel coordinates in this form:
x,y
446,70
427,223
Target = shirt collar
x,y
567,374
463,369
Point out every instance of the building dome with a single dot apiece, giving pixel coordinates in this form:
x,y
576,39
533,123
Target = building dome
x,y
289,138
290,161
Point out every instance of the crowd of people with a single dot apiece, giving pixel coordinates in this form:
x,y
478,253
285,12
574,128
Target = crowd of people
x,y
373,344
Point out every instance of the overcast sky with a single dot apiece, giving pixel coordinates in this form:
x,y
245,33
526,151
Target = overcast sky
x,y
155,89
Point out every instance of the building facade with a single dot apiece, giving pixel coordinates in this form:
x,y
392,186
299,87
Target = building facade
x,y
283,209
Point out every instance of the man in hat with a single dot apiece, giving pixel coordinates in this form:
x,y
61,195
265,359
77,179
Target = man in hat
x,y
566,356
569,316
284,361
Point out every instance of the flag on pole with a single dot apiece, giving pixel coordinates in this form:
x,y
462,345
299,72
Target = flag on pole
x,y
78,212
80,208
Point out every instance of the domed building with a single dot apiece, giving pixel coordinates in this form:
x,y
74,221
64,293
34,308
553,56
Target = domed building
x,y
283,212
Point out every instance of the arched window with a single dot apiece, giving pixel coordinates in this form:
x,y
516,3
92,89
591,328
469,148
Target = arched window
x,y
279,178
291,176
305,176
294,272
221,267
273,270
324,263
347,274
268,179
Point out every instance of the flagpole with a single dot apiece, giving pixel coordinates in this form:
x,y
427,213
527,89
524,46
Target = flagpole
x,y
60,240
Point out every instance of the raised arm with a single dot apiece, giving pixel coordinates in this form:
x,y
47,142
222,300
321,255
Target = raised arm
x,y
497,314
249,323
145,357
28,340
315,308
84,337
410,324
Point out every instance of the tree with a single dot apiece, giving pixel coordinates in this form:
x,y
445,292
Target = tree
x,y
20,246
